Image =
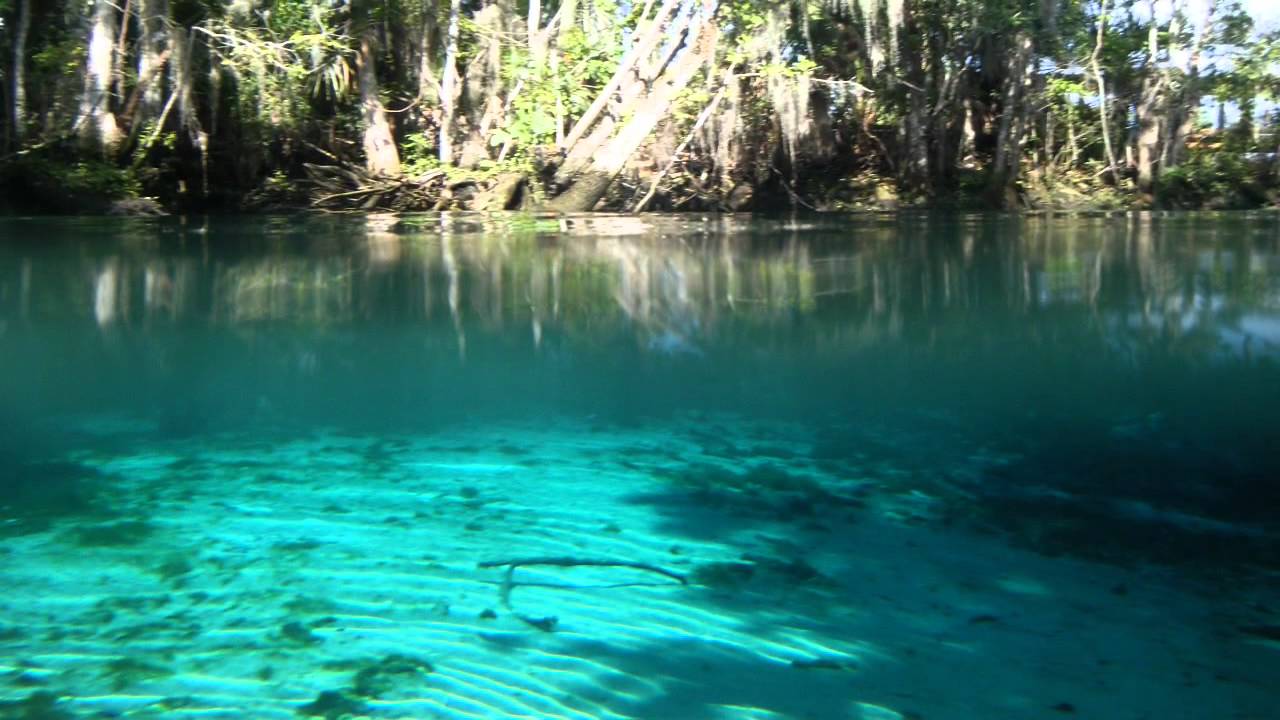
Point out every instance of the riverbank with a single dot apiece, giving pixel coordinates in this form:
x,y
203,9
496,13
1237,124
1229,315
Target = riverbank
x,y
52,184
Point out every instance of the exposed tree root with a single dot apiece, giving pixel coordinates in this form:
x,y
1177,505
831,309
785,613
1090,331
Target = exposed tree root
x,y
337,187
347,187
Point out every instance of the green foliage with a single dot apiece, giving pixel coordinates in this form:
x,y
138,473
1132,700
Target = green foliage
x,y
418,154
91,180
297,44
585,64
274,81
1215,180
65,56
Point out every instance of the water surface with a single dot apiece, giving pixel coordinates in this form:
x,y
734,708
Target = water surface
x,y
889,467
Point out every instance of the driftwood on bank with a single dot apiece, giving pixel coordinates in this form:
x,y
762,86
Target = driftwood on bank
x,y
339,187
347,187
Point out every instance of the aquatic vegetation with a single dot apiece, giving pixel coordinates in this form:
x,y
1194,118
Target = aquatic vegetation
x,y
119,534
332,705
764,489
39,705
174,568
823,664
132,603
124,672
36,494
1133,498
723,575
308,605
298,633
380,677
22,678
297,546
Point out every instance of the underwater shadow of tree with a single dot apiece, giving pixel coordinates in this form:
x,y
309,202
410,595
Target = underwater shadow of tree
x,y
776,519
698,679
35,494
1136,500
708,501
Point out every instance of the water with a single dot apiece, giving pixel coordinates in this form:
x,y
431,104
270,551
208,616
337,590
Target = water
x,y
887,467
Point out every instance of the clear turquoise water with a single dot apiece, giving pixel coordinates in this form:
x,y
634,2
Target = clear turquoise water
x,y
890,467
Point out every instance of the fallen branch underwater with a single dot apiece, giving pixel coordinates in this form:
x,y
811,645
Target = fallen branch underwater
x,y
547,624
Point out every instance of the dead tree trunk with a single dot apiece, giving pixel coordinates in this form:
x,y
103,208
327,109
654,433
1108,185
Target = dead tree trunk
x,y
643,47
590,184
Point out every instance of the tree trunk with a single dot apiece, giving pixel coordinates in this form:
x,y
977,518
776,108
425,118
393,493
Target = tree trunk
x,y
122,41
580,151
1183,119
96,123
182,83
1147,143
449,85
914,168
428,83
1013,113
380,154
482,103
180,78
1103,103
1148,140
591,184
643,47
152,42
18,89
532,27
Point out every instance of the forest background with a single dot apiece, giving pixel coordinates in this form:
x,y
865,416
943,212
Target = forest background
x,y
145,106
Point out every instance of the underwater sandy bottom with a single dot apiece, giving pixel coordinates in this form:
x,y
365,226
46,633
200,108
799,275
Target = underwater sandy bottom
x,y
339,574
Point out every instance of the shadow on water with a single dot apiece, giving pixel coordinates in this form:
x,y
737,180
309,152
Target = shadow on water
x,y
700,683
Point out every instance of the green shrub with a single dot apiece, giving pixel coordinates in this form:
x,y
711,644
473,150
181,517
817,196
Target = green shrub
x,y
1217,181
52,182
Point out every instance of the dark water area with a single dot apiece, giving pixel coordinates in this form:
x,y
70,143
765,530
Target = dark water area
x,y
1104,389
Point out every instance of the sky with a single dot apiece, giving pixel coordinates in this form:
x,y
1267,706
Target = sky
x,y
1266,13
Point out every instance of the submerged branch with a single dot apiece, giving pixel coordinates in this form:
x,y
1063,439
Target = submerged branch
x,y
580,562
548,624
